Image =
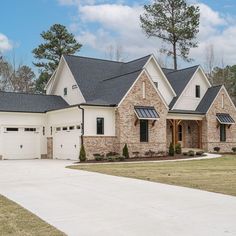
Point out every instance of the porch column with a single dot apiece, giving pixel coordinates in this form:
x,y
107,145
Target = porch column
x,y
199,124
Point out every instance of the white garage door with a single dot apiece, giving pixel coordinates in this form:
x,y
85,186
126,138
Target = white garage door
x,y
66,142
21,143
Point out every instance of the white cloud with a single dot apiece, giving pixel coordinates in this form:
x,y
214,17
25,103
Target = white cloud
x,y
5,44
99,25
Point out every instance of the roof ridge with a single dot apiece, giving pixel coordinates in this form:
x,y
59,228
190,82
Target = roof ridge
x,y
121,75
183,69
92,58
149,55
37,94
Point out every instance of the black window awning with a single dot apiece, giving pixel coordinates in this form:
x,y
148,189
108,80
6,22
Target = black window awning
x,y
225,119
146,113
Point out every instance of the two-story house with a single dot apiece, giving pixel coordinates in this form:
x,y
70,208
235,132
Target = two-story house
x,y
105,105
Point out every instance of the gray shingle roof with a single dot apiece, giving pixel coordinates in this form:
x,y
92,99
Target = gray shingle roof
x,y
208,99
104,82
179,79
35,103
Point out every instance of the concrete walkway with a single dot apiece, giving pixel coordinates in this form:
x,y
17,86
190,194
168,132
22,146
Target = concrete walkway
x,y
81,203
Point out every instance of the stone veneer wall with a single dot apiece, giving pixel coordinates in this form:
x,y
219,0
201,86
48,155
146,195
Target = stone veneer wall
x,y
127,132
213,133
49,148
99,144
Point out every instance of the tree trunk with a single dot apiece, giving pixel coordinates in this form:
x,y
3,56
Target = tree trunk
x,y
175,56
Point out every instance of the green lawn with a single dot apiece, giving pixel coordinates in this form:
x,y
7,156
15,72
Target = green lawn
x,y
17,221
216,175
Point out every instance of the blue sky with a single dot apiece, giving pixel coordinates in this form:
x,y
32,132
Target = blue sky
x,y
102,24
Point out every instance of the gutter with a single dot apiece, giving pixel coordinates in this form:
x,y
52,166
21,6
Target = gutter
x,y
82,125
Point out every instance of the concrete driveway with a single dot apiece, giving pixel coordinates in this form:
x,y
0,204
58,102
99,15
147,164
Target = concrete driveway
x,y
89,204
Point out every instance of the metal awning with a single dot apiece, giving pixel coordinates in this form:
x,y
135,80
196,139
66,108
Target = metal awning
x,y
225,119
146,113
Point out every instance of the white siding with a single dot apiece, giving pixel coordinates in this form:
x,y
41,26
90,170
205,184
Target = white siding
x,y
90,120
157,76
23,120
65,79
188,100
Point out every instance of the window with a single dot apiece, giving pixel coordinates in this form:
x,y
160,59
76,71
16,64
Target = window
x,y
143,130
65,91
100,125
222,101
180,133
64,128
156,84
43,130
71,127
12,129
198,94
222,133
30,129
144,90
78,127
58,129
74,86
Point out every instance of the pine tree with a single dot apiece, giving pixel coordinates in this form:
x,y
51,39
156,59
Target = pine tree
x,y
175,23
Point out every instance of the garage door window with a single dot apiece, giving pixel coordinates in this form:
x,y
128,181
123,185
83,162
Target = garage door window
x,y
64,128
71,127
30,129
12,129
58,129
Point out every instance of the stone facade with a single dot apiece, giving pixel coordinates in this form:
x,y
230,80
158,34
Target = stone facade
x,y
213,132
128,130
49,148
99,144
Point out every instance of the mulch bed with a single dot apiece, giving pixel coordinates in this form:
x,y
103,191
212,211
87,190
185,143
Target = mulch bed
x,y
177,157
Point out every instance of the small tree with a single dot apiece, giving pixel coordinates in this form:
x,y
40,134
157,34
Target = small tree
x,y
126,151
171,150
82,154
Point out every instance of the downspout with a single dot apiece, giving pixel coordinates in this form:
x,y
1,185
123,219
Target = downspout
x,y
82,125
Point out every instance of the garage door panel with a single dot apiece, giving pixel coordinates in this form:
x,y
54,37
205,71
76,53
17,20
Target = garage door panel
x,y
21,145
66,145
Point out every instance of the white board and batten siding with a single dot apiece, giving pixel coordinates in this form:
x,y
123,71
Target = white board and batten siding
x,y
65,128
188,100
21,135
64,79
90,120
162,84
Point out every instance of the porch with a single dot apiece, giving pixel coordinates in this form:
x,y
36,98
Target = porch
x,y
185,129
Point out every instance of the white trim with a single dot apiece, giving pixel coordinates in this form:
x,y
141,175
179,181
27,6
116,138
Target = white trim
x,y
141,73
222,87
162,73
208,82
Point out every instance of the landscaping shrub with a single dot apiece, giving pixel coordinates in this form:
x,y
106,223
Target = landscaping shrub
x,y
216,149
111,158
185,153
178,148
171,150
234,149
161,153
150,153
136,154
191,153
82,154
121,158
110,154
98,157
199,153
125,151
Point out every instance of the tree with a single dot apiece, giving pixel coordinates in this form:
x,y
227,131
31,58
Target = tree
x,y
24,80
7,72
125,151
58,41
115,53
41,82
209,60
175,23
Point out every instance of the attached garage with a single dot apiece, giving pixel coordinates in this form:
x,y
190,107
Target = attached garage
x,y
66,142
21,143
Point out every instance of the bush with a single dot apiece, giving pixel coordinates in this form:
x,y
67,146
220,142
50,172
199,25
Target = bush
x,y
121,158
125,151
110,154
82,154
171,150
178,148
98,157
191,153
111,158
199,153
185,153
234,149
150,153
216,149
136,154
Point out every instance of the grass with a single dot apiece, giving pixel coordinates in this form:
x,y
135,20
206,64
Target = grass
x,y
215,175
17,221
